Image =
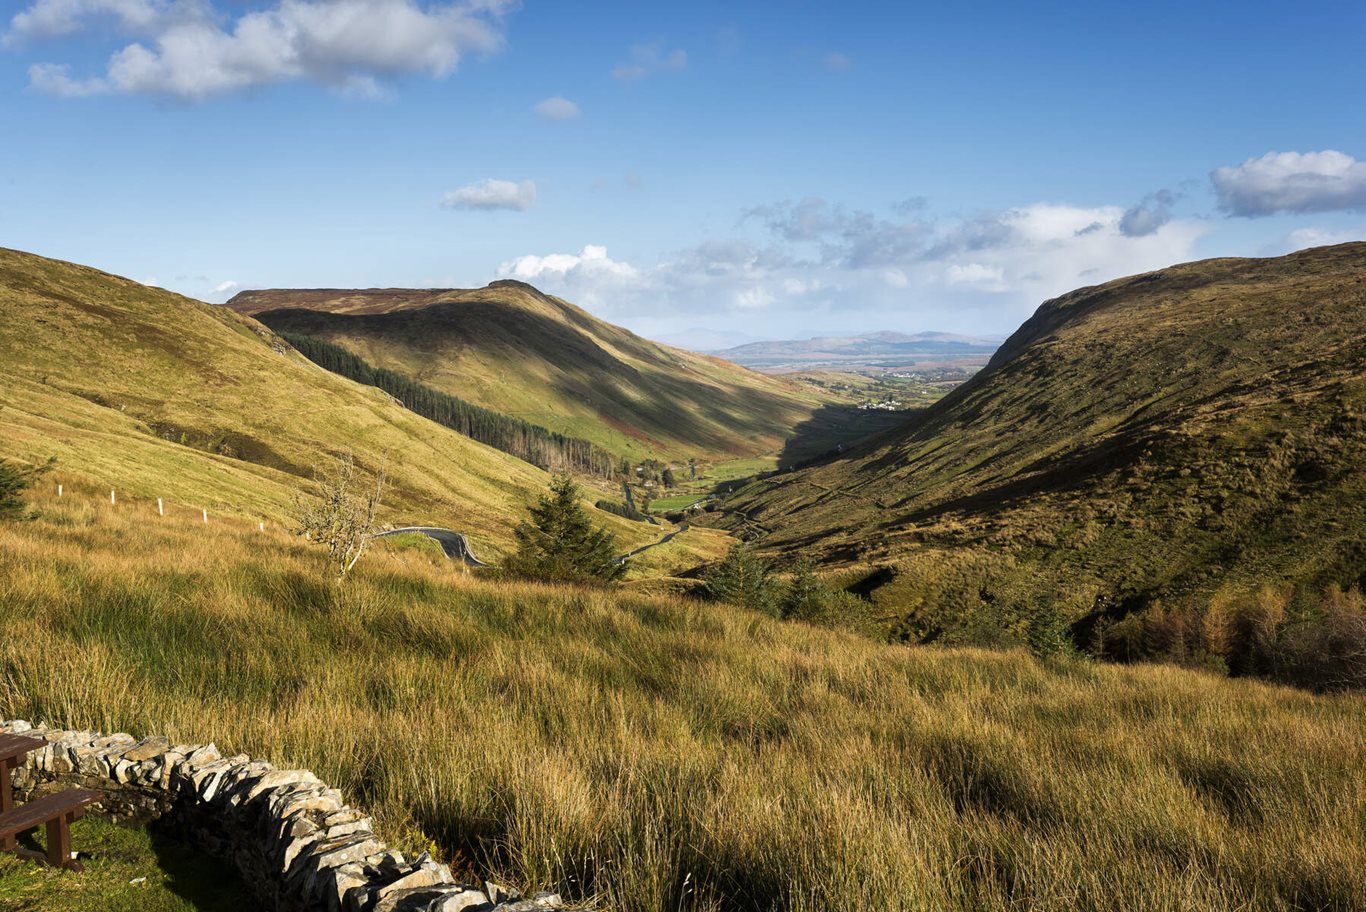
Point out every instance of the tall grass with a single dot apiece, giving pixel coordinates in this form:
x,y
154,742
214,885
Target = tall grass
x,y
648,753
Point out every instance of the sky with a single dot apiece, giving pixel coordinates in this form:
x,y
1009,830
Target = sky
x,y
702,172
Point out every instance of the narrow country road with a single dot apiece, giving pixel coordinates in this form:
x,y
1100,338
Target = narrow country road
x,y
663,541
455,544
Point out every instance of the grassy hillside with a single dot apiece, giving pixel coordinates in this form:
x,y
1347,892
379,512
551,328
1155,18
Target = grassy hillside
x,y
514,350
656,755
1177,437
157,395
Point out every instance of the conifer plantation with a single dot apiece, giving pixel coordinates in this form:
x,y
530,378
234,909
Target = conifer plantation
x,y
542,448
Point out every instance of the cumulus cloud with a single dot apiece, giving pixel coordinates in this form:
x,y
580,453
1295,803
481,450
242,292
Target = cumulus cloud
x,y
54,18
824,266
647,59
188,49
557,108
1291,182
589,276
1154,211
226,287
492,194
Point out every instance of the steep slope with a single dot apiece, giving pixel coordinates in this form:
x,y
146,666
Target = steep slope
x,y
1167,436
512,349
158,395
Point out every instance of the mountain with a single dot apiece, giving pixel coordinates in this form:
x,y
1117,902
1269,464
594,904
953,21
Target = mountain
x,y
157,395
1178,437
510,348
877,349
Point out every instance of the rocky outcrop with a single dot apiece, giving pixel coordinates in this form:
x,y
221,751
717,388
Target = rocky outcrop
x,y
295,842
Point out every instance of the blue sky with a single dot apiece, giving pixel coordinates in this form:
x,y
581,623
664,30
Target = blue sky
x,y
760,169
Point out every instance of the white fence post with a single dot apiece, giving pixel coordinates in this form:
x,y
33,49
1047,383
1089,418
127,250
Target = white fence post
x,y
161,510
111,496
262,526
206,517
59,490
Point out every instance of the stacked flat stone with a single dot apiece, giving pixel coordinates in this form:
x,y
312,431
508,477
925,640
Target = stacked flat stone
x,y
295,842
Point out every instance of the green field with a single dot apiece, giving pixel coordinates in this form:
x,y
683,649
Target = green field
x,y
676,502
126,870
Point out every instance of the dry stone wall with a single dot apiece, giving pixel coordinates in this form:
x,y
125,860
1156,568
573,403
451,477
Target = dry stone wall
x,y
295,842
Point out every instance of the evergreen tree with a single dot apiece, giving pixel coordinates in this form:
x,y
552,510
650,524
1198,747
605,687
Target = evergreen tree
x,y
14,481
560,542
806,597
743,579
668,477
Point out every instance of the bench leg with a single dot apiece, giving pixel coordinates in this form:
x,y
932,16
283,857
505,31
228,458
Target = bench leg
x,y
7,843
59,842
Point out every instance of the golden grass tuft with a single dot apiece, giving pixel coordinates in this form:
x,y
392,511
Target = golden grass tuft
x,y
656,753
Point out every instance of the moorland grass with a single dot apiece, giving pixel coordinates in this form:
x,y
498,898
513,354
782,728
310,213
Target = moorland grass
x,y
649,754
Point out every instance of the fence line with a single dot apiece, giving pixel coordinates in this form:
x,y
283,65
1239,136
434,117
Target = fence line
x,y
161,505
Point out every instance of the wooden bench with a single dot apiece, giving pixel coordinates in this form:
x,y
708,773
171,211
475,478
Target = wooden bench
x,y
57,811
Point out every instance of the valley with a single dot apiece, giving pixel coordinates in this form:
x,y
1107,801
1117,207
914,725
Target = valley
x,y
1002,546
495,456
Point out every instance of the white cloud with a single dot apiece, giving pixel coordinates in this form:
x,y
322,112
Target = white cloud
x,y
1302,238
54,18
592,258
829,268
55,79
1292,182
192,51
226,287
991,278
647,59
588,277
557,108
492,194
756,298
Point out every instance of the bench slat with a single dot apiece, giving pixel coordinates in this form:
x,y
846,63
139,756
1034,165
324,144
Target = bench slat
x,y
18,745
49,807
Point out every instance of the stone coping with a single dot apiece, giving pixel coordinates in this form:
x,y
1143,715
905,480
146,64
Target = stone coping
x,y
295,842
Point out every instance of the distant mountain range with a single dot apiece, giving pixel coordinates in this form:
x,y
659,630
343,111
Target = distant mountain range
x,y
876,349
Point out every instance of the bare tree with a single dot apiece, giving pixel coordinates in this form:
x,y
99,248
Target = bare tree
x,y
341,515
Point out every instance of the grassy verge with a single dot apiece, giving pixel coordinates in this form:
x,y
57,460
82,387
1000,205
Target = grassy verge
x,y
653,753
126,870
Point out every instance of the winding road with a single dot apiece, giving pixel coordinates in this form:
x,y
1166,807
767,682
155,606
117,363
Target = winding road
x,y
455,544
663,541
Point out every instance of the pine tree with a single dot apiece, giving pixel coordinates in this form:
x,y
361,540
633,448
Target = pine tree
x,y
14,481
806,597
668,477
560,542
743,579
